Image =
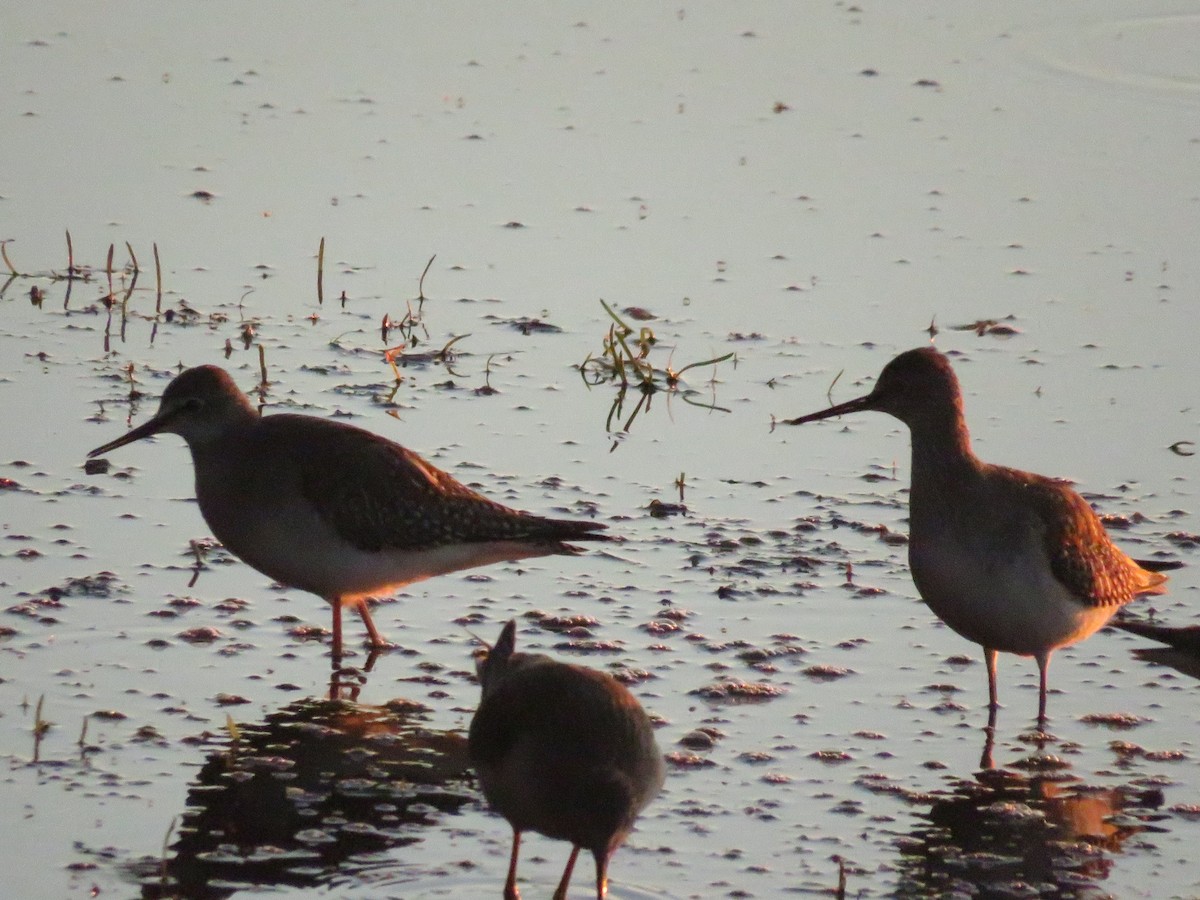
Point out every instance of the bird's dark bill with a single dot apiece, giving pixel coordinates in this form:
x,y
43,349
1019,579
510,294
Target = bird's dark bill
x,y
154,426
850,406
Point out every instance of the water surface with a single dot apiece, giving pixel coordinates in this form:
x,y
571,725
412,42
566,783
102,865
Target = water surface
x,y
807,187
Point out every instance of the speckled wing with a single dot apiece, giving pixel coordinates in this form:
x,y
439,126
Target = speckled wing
x,y
1082,556
378,495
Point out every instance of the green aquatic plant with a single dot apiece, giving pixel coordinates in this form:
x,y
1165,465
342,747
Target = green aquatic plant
x,y
625,361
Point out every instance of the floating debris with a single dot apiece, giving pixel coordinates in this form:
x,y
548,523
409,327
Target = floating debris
x,y
991,327
204,634
734,690
1116,721
826,672
681,760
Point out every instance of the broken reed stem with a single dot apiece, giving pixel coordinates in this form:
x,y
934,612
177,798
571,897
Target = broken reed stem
x,y
608,309
165,847
133,280
390,357
829,392
421,280
70,256
198,552
441,354
8,262
108,269
158,280
132,257
40,727
643,401
262,363
615,409
320,274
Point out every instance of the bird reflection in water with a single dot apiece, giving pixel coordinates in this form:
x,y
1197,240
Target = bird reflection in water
x,y
347,682
1005,834
290,800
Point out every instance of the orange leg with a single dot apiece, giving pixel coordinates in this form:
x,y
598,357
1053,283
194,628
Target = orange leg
x,y
561,893
336,649
510,884
601,876
1043,661
377,640
989,659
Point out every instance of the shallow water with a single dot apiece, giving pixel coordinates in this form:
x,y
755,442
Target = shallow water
x,y
738,172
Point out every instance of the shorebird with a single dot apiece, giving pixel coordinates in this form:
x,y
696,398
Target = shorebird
x,y
1014,561
329,508
563,750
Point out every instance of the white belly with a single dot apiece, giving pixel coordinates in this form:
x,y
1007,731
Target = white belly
x,y
1013,604
301,551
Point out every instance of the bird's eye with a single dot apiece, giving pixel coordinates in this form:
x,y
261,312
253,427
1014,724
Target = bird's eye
x,y
193,404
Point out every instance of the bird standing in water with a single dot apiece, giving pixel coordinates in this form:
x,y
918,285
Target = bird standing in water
x,y
1014,561
329,508
563,750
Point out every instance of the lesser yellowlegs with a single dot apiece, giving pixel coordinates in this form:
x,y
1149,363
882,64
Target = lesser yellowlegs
x,y
325,507
1013,561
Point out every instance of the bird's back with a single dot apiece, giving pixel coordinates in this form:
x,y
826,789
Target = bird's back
x,y
373,493
566,751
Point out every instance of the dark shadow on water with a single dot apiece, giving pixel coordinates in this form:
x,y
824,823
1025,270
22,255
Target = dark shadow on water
x,y
289,800
1007,835
1180,650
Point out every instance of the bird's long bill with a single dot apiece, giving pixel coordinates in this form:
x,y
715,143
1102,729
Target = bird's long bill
x,y
850,406
146,429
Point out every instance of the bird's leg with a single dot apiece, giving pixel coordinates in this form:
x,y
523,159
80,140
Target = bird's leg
x,y
336,649
561,892
510,884
1043,661
377,640
989,659
601,874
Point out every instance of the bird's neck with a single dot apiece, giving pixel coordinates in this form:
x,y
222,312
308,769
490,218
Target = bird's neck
x,y
214,438
941,457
